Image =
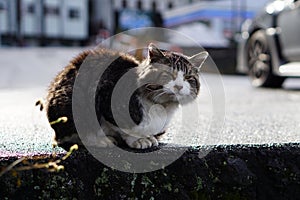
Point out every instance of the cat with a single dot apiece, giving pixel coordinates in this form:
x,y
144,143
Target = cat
x,y
174,80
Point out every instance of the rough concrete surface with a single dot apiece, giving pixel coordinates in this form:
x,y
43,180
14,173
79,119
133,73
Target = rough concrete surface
x,y
252,116
228,172
234,171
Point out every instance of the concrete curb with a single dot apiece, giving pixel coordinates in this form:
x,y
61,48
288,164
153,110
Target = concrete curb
x,y
227,172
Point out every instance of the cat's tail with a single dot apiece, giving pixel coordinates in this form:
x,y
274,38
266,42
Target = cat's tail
x,y
41,104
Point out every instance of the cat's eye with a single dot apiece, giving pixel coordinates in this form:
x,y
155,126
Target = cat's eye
x,y
166,75
192,80
154,87
189,77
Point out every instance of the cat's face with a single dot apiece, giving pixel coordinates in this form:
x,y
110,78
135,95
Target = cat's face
x,y
175,77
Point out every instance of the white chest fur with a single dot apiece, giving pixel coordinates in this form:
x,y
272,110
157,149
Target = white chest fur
x,y
155,120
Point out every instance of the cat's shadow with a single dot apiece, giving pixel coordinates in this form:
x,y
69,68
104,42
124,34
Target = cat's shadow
x,y
288,89
147,150
125,147
292,89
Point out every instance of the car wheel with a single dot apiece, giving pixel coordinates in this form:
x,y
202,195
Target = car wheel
x,y
260,62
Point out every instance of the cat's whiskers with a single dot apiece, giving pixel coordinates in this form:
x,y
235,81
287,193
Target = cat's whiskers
x,y
149,94
155,98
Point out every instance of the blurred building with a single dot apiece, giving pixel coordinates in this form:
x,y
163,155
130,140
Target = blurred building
x,y
43,22
212,23
78,22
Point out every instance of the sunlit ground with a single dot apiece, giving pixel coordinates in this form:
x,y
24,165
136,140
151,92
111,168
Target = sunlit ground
x,y
252,116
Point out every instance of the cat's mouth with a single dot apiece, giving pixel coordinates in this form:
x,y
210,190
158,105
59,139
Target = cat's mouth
x,y
161,94
166,95
179,97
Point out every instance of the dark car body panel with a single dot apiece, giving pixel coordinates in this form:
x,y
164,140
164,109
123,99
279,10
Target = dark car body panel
x,y
281,22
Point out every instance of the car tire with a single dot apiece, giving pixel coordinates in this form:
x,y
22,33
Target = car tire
x,y
259,60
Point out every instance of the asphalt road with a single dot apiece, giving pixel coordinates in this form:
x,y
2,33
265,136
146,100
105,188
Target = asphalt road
x,y
251,115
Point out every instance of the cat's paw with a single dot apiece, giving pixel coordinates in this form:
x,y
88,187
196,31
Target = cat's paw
x,y
143,143
107,141
104,142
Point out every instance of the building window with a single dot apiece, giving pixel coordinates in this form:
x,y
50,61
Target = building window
x,y
31,9
124,4
139,5
154,6
2,6
48,10
74,13
170,5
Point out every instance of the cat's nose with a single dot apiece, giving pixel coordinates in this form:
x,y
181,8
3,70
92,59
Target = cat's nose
x,y
178,87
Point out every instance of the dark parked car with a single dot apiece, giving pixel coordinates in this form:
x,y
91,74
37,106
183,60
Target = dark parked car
x,y
269,50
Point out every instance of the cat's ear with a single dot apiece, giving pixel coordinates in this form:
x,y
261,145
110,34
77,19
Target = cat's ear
x,y
154,52
198,59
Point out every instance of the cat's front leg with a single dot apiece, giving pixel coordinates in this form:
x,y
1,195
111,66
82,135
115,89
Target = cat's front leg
x,y
100,139
141,143
104,142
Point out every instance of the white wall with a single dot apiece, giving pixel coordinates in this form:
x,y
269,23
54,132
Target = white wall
x,y
8,24
30,22
4,25
75,19
53,22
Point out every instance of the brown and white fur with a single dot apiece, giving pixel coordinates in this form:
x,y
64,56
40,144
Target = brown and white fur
x,y
174,81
